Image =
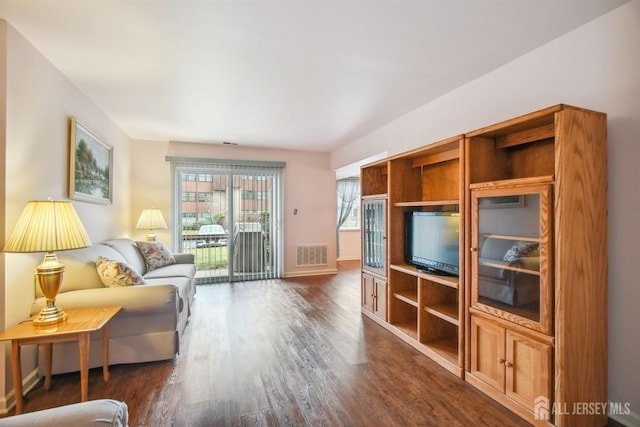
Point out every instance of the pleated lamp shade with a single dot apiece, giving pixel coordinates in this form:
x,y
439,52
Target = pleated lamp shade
x,y
47,226
151,219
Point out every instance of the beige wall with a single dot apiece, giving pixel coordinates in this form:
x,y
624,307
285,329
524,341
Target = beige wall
x,y
39,101
349,245
309,187
596,66
150,184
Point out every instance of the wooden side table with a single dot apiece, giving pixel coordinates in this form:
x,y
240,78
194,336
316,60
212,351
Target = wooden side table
x,y
79,326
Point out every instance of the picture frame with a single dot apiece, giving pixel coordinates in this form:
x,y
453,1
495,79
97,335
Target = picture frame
x,y
90,165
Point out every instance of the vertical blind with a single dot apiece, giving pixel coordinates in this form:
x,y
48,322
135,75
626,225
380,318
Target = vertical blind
x,y
229,214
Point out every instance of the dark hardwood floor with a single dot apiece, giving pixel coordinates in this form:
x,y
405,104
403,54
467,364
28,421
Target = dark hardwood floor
x,y
291,352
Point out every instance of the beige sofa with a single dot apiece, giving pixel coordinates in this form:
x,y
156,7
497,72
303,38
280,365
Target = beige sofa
x,y
101,412
153,316
508,285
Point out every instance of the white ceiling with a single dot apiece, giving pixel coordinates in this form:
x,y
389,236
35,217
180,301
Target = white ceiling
x,y
303,74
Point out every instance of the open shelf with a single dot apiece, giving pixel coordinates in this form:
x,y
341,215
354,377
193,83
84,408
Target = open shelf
x,y
446,347
447,312
410,329
450,281
423,308
408,296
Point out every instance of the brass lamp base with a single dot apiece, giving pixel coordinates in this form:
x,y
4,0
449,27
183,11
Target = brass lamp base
x,y
151,237
49,274
50,316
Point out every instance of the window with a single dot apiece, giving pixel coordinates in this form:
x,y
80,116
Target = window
x,y
225,194
348,194
206,216
353,219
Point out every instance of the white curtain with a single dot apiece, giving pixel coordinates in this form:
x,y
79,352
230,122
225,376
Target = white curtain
x,y
348,190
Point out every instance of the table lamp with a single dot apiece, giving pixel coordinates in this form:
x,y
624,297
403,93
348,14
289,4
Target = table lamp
x,y
151,219
48,226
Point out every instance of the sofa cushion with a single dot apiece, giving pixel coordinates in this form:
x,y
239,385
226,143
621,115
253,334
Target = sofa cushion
x,y
134,300
130,252
115,274
173,270
155,254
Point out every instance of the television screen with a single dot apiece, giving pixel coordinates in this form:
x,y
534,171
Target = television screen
x,y
432,241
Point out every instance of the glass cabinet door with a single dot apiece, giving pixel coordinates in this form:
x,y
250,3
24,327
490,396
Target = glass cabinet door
x,y
511,253
374,235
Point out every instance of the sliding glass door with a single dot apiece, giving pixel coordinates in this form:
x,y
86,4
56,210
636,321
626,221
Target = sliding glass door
x,y
229,215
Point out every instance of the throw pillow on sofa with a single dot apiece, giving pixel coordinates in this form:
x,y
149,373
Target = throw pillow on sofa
x,y
522,249
155,254
115,274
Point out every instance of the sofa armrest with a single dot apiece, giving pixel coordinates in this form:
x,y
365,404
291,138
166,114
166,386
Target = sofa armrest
x,y
101,412
184,258
140,299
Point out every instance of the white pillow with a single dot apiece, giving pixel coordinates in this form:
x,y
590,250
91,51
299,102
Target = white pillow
x,y
115,274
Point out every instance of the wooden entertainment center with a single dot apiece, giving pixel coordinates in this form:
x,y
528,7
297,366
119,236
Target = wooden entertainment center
x,y
525,321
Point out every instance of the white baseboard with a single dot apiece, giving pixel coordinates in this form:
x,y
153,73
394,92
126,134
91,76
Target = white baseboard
x,y
630,420
29,383
348,258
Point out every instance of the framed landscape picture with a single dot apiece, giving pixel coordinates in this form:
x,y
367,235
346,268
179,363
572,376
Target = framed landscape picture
x,y
90,165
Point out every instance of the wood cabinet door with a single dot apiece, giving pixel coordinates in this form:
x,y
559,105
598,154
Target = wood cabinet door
x,y
487,352
528,369
374,235
368,292
511,253
380,298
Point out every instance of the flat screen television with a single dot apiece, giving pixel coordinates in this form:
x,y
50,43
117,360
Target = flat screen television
x,y
432,241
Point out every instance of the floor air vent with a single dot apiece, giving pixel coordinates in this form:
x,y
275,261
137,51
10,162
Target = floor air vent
x,y
311,255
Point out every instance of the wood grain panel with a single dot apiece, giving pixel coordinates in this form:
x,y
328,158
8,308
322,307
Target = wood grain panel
x,y
373,180
528,369
546,131
581,242
488,352
485,163
441,182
